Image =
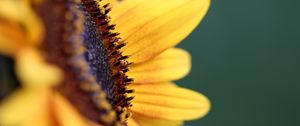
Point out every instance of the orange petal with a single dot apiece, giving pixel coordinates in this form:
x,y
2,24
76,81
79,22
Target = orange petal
x,y
152,26
12,39
169,102
170,65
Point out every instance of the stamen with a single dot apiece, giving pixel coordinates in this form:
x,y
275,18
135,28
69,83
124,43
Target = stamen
x,y
113,46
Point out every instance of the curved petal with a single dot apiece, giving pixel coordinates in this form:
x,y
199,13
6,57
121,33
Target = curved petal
x,y
26,107
19,11
170,65
169,102
151,26
150,121
33,71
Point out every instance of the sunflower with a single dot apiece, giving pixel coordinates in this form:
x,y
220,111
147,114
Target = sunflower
x,y
93,62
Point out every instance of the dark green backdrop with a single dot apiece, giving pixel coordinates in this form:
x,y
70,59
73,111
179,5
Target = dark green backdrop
x,y
246,60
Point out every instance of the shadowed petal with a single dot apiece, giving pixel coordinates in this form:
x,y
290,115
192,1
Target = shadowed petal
x,y
170,65
168,102
12,39
151,26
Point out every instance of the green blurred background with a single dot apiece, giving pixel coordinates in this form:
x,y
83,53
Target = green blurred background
x,y
246,60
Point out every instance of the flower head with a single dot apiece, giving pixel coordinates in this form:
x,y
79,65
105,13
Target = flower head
x,y
93,62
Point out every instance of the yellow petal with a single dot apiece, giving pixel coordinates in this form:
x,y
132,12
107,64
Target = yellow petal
x,y
12,40
33,71
151,26
150,121
172,64
132,122
169,102
111,2
26,107
19,11
66,114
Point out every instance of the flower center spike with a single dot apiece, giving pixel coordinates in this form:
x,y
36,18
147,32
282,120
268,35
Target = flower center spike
x,y
83,44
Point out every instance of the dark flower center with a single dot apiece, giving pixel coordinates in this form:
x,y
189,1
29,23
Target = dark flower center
x,y
80,40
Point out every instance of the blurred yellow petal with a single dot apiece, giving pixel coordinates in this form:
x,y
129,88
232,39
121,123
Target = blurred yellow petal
x,y
150,121
169,102
26,107
19,11
151,26
132,122
33,71
12,40
172,64
66,114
